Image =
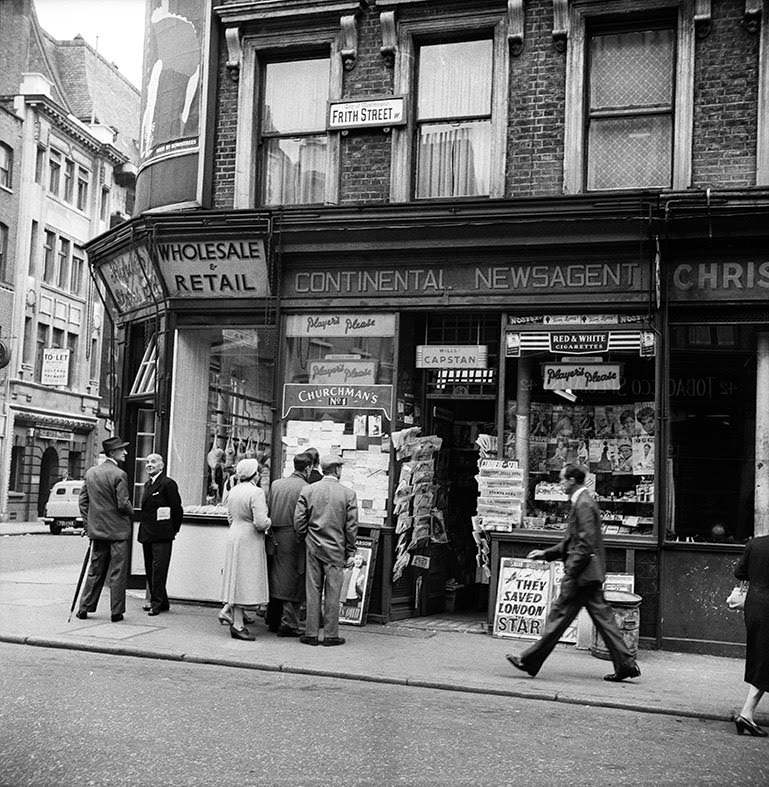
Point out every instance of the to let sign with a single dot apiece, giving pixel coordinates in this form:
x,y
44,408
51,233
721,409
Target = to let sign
x,y
55,369
383,112
431,356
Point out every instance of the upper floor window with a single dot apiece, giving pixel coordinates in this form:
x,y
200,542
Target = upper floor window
x,y
293,137
3,252
76,274
69,177
82,188
630,109
6,166
54,171
64,251
454,110
49,260
40,164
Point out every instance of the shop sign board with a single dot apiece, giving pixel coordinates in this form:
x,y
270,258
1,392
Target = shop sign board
x,y
368,113
343,372
214,268
579,342
56,435
523,593
437,356
333,397
326,325
720,281
55,369
581,377
131,279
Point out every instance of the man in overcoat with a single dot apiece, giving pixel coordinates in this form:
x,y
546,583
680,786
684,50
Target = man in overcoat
x,y
161,518
326,517
105,506
583,575
286,566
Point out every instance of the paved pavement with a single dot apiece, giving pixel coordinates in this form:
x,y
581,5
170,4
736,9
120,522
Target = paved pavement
x,y
23,528
427,652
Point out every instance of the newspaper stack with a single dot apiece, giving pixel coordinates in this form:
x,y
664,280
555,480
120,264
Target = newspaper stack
x,y
500,494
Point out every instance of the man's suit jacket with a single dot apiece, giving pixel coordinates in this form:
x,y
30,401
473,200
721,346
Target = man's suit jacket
x,y
582,541
105,504
162,494
326,516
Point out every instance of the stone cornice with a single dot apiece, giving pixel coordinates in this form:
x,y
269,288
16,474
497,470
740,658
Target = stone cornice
x,y
282,10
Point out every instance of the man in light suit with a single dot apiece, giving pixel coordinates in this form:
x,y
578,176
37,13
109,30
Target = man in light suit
x,y
105,506
583,575
326,517
161,518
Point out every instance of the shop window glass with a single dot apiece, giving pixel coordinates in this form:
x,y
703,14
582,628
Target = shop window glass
x,y
293,125
611,432
712,432
222,409
145,445
341,366
630,117
454,119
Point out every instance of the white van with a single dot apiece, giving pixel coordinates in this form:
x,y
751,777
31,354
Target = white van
x,y
62,509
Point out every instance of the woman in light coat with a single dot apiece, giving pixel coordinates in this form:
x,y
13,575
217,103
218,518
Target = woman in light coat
x,y
244,577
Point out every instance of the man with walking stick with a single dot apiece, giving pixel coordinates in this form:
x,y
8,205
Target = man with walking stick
x,y
105,506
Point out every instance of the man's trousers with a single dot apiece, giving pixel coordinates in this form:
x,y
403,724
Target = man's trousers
x,y
323,578
107,557
157,558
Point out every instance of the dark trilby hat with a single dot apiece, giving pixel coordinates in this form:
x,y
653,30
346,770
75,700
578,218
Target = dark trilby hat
x,y
112,444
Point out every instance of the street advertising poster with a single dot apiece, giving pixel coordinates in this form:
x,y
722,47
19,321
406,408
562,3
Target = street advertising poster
x,y
173,63
357,581
523,595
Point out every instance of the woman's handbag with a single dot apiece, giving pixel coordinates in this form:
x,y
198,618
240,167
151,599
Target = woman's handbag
x,y
270,544
736,598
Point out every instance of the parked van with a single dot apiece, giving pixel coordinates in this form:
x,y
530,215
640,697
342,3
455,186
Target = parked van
x,y
62,508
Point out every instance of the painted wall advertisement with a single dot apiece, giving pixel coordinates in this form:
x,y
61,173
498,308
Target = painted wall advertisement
x,y
171,84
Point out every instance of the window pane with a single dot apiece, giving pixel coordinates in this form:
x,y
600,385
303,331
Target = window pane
x,y
295,170
295,96
632,69
454,80
629,152
454,159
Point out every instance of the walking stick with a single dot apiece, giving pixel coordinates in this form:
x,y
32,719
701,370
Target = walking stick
x,y
80,580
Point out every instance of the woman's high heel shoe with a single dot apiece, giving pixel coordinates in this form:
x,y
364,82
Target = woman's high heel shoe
x,y
243,633
225,619
751,727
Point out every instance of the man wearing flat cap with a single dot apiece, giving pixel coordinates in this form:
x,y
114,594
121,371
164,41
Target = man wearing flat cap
x,y
326,517
106,508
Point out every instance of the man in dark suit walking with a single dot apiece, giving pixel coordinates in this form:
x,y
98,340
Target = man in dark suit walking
x,y
161,518
583,575
105,506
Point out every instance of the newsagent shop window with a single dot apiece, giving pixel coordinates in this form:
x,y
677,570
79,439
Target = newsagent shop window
x,y
222,408
712,432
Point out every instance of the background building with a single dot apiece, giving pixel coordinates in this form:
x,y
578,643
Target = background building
x,y
461,205
74,148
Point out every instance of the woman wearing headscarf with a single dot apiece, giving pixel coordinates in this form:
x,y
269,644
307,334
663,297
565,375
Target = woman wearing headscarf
x,y
754,567
244,578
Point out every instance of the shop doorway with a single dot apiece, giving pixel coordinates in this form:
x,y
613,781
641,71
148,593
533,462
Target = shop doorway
x,y
49,475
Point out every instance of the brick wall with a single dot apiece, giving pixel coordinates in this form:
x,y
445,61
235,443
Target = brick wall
x,y
225,133
10,134
725,101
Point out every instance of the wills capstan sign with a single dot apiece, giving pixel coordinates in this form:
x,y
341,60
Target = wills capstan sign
x,y
432,356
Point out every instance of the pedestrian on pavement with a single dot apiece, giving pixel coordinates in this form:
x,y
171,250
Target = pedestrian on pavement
x,y
287,564
315,475
754,567
105,506
326,518
161,518
244,577
583,555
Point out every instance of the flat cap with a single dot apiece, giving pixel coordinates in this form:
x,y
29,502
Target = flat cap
x,y
330,460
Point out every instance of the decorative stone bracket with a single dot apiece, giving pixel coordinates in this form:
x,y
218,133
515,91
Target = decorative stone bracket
x,y
234,51
515,25
349,48
702,17
560,24
752,16
389,37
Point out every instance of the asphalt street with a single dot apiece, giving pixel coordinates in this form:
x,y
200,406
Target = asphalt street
x,y
20,552
75,718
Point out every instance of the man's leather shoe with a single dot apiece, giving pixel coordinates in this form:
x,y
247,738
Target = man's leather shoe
x,y
616,677
116,618
153,612
518,664
331,641
305,640
81,614
147,607
285,631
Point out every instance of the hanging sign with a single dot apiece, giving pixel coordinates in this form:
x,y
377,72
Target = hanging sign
x,y
55,369
343,371
579,342
581,377
432,356
333,397
131,280
372,112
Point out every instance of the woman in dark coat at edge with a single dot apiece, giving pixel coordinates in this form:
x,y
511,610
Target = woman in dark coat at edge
x,y
754,567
